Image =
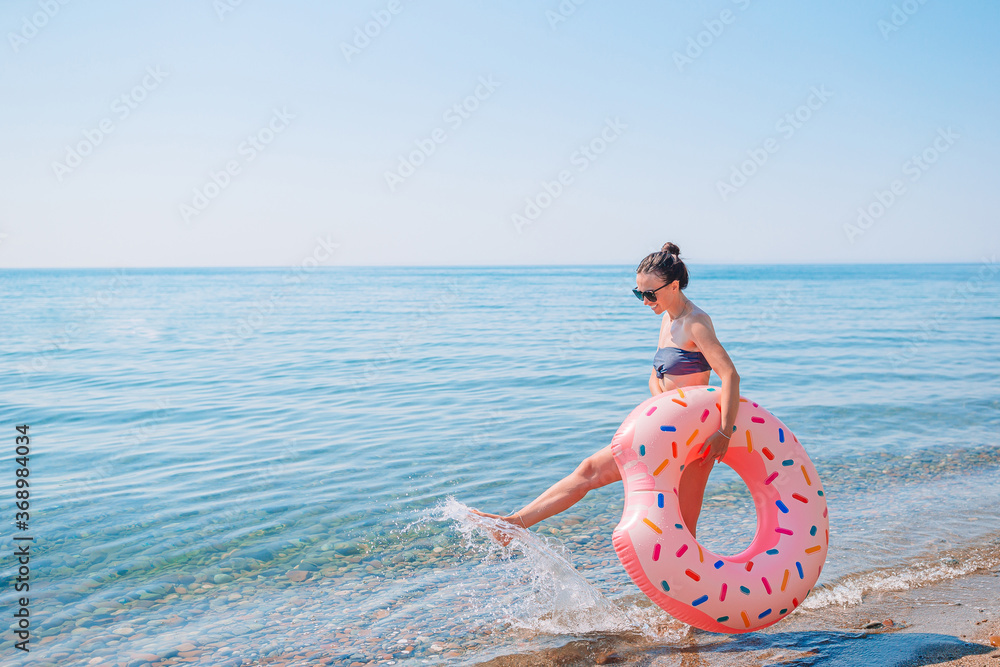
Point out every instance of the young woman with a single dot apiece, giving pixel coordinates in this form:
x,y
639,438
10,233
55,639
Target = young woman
x,y
687,353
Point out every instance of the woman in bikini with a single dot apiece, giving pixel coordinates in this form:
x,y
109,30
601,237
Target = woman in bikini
x,y
687,353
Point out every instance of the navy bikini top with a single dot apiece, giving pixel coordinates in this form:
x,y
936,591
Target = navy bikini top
x,y
675,361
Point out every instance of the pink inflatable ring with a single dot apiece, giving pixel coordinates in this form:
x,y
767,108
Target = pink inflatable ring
x,y
740,593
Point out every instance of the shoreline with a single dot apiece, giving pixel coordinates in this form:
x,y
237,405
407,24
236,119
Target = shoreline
x,y
946,623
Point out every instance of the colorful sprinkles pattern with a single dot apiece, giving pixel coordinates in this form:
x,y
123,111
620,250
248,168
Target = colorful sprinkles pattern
x,y
784,476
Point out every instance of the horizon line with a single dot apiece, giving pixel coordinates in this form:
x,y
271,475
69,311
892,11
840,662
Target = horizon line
x,y
467,266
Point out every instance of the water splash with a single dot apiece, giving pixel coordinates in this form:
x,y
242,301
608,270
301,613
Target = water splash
x,y
535,587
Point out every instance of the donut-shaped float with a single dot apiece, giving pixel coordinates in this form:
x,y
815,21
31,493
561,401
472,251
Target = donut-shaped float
x,y
741,593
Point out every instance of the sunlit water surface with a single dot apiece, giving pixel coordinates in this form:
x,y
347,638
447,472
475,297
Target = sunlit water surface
x,y
235,465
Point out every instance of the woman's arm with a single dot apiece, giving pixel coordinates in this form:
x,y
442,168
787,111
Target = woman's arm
x,y
703,335
654,384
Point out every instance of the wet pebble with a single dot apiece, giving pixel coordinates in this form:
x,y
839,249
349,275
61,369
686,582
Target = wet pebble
x,y
347,548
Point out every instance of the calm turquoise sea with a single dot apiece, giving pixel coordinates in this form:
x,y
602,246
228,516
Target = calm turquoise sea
x,y
232,466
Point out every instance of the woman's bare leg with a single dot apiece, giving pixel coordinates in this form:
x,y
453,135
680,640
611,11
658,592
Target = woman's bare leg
x,y
597,470
691,491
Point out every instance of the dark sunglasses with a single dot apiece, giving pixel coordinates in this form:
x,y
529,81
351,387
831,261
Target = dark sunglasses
x,y
648,294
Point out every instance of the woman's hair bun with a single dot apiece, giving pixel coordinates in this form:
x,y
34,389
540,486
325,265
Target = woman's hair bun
x,y
667,264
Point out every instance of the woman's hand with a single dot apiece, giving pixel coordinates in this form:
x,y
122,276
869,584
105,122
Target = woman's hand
x,y
714,447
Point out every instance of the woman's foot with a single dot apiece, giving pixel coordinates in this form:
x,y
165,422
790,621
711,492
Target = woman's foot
x,y
500,533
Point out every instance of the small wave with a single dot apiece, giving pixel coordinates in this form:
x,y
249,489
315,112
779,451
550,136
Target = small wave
x,y
535,587
851,589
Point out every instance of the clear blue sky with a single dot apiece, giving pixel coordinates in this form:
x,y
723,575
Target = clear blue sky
x,y
153,98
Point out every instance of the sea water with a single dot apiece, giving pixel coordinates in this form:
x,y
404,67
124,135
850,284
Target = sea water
x,y
240,465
